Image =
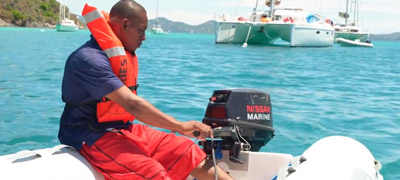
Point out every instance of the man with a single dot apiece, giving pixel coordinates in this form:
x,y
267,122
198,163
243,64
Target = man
x,y
99,101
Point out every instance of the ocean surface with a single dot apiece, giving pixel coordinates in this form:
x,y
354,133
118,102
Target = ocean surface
x,y
315,92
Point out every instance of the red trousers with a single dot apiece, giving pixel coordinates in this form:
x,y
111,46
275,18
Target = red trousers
x,y
143,153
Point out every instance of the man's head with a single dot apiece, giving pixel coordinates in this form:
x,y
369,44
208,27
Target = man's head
x,y
128,20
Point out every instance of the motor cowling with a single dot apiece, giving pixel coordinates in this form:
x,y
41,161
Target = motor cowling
x,y
240,113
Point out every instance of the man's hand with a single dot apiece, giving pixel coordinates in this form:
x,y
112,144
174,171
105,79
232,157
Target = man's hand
x,y
187,129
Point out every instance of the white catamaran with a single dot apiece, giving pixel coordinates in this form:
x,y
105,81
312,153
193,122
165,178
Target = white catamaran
x,y
292,25
350,30
65,24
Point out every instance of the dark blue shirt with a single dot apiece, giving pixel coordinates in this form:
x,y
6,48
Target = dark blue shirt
x,y
87,78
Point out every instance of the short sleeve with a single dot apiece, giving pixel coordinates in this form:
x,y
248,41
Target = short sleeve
x,y
95,75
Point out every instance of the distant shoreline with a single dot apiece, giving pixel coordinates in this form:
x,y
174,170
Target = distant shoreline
x,y
28,25
395,36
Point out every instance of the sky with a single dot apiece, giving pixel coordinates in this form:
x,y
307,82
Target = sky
x,y
375,16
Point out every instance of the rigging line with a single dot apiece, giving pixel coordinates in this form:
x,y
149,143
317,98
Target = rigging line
x,y
237,8
356,14
319,6
322,8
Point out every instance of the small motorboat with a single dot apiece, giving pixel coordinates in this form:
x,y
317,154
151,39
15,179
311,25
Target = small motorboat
x,y
242,123
353,43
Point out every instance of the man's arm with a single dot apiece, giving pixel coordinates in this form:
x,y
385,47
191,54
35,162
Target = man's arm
x,y
147,113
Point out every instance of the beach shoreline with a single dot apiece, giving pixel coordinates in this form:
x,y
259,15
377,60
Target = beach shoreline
x,y
29,24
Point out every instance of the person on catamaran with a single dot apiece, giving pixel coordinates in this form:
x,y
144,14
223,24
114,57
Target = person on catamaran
x,y
99,90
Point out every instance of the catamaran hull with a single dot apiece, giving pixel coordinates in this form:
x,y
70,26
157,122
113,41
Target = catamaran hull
x,y
236,33
330,158
298,35
312,35
363,37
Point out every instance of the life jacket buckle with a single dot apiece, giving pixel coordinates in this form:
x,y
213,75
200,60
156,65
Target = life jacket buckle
x,y
114,130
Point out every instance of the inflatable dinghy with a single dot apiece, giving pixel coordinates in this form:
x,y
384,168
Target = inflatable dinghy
x,y
331,158
351,43
242,123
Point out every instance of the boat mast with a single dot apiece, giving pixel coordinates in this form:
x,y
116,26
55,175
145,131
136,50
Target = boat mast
x,y
272,9
346,16
59,14
157,15
66,8
355,22
255,12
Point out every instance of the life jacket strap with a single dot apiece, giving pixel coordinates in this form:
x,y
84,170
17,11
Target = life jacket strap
x,y
133,88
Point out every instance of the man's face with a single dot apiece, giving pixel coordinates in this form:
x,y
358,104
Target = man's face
x,y
134,33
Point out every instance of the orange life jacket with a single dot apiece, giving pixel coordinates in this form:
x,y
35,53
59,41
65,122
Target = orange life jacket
x,y
123,63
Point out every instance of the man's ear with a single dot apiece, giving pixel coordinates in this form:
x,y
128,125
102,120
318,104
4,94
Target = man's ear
x,y
125,23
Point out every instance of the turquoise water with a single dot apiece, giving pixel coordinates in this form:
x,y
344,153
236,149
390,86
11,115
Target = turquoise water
x,y
316,92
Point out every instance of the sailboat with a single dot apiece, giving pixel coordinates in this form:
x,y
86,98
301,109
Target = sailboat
x,y
157,29
293,25
350,30
65,24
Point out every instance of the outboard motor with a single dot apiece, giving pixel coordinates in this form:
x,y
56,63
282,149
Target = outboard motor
x,y
241,119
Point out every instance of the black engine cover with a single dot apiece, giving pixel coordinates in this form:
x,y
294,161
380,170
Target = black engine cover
x,y
247,109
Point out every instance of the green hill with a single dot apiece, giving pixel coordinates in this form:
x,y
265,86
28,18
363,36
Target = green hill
x,y
30,13
171,26
209,28
386,37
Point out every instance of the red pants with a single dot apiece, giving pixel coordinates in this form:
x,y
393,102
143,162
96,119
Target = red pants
x,y
143,153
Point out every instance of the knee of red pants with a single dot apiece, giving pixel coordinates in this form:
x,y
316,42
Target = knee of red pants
x,y
130,176
117,159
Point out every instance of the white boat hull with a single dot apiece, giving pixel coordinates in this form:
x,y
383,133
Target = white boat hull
x,y
352,43
330,158
333,158
257,165
312,35
157,30
59,162
66,28
298,35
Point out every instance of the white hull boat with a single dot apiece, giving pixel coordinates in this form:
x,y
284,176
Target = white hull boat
x,y
350,31
331,158
353,43
298,35
157,29
242,123
299,28
65,24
